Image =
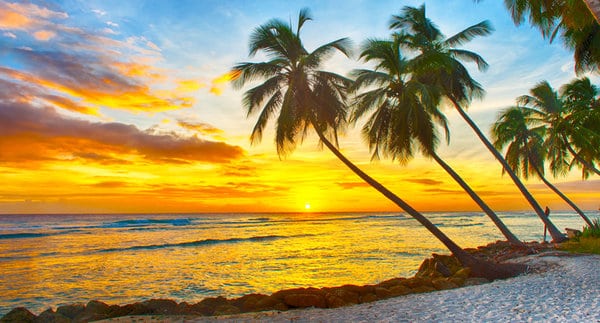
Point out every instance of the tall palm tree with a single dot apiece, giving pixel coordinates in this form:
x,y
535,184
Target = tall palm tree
x,y
443,61
581,100
575,21
405,113
308,98
519,128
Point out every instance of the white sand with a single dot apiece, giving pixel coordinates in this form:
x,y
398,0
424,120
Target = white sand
x,y
562,288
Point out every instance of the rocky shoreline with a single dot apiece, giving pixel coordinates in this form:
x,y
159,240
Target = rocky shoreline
x,y
441,272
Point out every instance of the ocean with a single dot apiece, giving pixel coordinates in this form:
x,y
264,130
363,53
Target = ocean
x,y
52,260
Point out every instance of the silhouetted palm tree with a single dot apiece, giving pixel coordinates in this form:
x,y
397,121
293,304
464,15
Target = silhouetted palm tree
x,y
582,111
404,113
443,62
520,129
575,21
305,98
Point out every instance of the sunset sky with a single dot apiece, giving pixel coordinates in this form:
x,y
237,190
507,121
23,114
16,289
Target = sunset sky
x,y
125,106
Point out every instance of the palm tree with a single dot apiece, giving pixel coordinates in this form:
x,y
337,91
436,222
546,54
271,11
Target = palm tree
x,y
308,98
576,22
525,152
405,114
438,55
582,111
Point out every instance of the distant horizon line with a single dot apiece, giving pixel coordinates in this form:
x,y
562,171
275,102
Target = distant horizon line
x,y
271,212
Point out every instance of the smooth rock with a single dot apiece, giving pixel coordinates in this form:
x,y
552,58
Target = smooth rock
x,y
18,314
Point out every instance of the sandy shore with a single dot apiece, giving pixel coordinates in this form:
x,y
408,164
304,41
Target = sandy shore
x,y
560,288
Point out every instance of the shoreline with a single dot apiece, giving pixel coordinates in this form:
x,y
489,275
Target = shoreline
x,y
563,287
435,274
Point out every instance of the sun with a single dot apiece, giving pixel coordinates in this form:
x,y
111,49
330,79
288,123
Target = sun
x,y
307,206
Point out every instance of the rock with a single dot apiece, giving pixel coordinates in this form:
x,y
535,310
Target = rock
x,y
270,303
129,309
463,273
423,289
392,282
475,281
71,310
382,293
368,298
442,269
305,300
18,315
161,306
248,303
360,290
49,316
400,290
97,307
443,283
457,281
418,281
226,309
208,305
338,297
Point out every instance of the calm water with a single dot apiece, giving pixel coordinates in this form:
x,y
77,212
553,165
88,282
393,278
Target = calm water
x,y
50,260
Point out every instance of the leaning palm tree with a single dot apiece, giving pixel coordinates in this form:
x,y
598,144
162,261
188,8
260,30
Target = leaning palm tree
x,y
443,62
404,115
519,129
581,101
576,21
308,98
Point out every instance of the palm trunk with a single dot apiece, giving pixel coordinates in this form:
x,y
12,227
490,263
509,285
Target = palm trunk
x,y
564,197
479,267
557,236
490,213
579,158
594,7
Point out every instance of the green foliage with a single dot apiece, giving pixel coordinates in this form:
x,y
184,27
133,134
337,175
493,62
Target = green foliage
x,y
592,231
582,245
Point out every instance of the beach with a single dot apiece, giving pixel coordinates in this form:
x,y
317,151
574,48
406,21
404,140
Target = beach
x,y
560,287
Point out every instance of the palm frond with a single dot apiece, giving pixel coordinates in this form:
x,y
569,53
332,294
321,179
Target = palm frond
x,y
483,28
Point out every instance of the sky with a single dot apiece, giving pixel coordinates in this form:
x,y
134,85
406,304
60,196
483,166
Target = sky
x,y
126,107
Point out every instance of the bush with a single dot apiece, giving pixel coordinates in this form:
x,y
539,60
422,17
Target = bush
x,y
592,231
583,245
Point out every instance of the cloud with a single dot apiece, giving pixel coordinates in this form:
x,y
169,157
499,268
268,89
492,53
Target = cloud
x,y
352,185
29,133
218,83
424,181
9,35
200,127
88,67
44,35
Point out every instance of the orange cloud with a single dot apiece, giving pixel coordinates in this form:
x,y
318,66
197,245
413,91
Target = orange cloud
x,y
54,137
13,20
217,84
203,128
44,35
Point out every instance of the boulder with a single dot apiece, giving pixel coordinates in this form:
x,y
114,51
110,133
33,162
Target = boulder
x,y
226,309
400,290
392,282
423,289
338,297
129,309
270,303
18,315
360,290
208,305
71,310
49,316
161,306
305,300
443,283
417,282
463,273
382,293
248,303
368,298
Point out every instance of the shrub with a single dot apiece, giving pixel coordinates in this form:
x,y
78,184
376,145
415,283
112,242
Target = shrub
x,y
592,231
